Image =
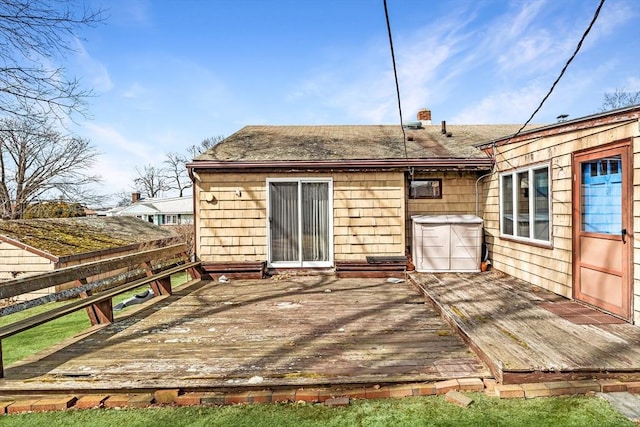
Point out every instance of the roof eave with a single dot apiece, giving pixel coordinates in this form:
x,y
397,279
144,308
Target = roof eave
x,y
622,115
31,249
249,166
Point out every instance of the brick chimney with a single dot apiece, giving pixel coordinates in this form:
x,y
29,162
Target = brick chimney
x,y
424,115
135,197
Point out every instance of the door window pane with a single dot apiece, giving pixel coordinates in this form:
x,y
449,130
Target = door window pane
x,y
315,221
601,195
284,221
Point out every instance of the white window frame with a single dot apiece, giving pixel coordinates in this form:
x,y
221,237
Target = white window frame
x,y
171,219
303,264
531,206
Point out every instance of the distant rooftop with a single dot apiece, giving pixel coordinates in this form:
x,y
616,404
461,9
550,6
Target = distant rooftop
x,y
166,205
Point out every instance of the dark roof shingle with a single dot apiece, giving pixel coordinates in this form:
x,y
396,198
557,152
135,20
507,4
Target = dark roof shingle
x,y
352,142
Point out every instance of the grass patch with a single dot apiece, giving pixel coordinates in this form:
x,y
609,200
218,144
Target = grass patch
x,y
411,411
31,341
44,336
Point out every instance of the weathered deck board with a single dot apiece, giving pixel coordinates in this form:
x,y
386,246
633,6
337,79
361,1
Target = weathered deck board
x,y
296,331
520,340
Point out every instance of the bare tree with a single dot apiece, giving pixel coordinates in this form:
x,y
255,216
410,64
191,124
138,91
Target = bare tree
x,y
176,172
619,99
122,198
150,180
204,145
39,163
35,35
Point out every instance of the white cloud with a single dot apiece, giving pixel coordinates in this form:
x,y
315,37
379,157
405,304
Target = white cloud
x,y
121,152
362,85
632,84
526,51
120,155
130,13
433,58
612,16
94,71
526,17
114,177
135,90
502,108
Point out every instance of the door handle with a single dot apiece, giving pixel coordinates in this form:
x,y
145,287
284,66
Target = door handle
x,y
624,235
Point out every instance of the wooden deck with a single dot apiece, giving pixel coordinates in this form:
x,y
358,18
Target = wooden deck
x,y
293,331
526,334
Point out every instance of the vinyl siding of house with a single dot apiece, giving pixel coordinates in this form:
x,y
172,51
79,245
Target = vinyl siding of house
x,y
369,212
368,215
19,261
550,267
231,228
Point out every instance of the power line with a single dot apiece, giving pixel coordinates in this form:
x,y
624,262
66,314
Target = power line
x,y
395,74
584,36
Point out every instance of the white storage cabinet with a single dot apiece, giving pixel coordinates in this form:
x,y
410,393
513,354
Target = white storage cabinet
x,y
447,243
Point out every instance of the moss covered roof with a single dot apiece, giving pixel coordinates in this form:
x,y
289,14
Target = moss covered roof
x,y
72,236
345,142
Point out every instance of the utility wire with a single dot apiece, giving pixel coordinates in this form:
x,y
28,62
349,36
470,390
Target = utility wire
x,y
395,74
584,36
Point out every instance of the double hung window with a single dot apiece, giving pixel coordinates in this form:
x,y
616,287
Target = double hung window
x,y
525,205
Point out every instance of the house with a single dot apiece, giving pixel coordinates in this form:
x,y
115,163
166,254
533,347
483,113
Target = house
x,y
561,205
42,245
321,197
159,211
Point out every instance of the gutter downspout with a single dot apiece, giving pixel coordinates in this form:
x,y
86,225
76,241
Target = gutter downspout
x,y
193,175
477,181
485,252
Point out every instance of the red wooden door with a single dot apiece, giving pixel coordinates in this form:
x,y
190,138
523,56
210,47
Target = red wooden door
x,y
602,228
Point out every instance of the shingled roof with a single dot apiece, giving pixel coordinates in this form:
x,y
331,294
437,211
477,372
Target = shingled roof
x,y
364,142
61,237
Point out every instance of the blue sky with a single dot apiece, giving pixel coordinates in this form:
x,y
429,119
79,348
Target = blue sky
x,y
169,73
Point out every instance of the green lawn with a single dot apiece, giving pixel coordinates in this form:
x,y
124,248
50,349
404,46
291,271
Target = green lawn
x,y
41,337
410,411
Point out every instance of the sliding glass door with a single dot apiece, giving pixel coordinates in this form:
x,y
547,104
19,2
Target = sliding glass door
x,y
299,231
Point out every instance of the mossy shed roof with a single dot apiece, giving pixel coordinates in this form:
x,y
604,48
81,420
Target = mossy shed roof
x,y
353,142
73,236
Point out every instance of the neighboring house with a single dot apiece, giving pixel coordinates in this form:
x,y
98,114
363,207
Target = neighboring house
x,y
320,196
159,211
561,208
42,245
